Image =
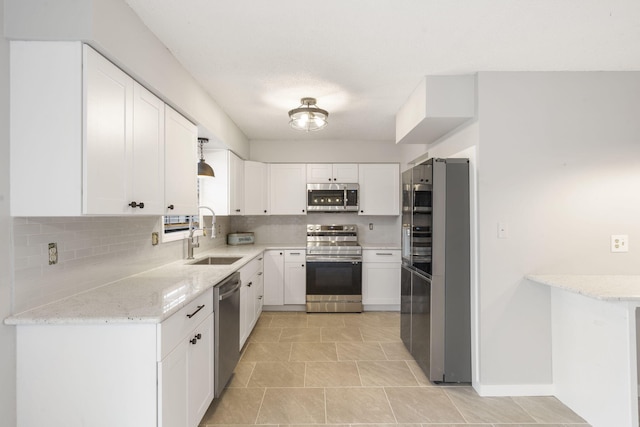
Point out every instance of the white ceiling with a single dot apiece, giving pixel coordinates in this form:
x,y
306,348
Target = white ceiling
x,y
362,58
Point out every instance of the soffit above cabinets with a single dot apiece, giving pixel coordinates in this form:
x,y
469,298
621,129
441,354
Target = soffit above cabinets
x,y
437,106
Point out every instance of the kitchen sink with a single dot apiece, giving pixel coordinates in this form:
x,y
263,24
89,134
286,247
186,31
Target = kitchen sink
x,y
216,260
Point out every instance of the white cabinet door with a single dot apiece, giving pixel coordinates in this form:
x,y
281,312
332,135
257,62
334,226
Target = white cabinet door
x,y
295,279
108,137
328,172
379,189
345,173
256,188
287,189
259,296
381,277
274,277
200,371
180,180
173,387
147,153
224,193
236,184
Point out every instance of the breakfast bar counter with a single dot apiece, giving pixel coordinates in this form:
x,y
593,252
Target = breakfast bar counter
x,y
594,353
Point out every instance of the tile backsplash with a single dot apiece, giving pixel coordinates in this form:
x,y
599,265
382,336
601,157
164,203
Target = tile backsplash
x,y
92,251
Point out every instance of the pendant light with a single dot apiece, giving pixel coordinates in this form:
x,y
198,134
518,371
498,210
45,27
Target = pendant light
x,y
308,117
203,168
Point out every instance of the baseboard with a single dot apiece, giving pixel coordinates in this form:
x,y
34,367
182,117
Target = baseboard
x,y
515,390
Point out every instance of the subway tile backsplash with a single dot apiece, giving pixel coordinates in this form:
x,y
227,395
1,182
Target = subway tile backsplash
x,y
92,251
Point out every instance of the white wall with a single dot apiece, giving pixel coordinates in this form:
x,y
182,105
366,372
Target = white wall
x,y
113,29
559,157
323,151
7,333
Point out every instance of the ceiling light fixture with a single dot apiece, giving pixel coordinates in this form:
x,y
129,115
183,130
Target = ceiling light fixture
x,y
203,168
308,117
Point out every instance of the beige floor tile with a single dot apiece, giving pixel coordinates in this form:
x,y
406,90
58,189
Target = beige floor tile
x,y
288,321
300,335
396,351
360,351
380,333
358,405
374,319
314,352
264,334
277,374
235,406
534,425
548,409
421,377
386,373
293,406
266,352
241,374
326,320
332,374
341,334
263,321
478,409
422,405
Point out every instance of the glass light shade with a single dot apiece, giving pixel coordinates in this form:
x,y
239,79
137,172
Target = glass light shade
x,y
308,117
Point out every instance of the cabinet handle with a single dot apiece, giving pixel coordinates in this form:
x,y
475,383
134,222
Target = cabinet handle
x,y
198,336
302,210
259,259
302,265
260,273
361,211
260,297
294,253
237,210
265,211
193,341
137,205
170,207
249,284
280,253
200,307
381,253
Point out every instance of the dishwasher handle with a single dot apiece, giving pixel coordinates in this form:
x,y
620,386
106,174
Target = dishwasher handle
x,y
231,292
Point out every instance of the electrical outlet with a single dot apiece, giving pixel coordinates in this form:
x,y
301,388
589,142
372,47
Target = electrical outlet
x,y
155,238
370,226
53,253
619,243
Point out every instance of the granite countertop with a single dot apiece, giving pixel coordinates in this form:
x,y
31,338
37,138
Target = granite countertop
x,y
147,297
602,287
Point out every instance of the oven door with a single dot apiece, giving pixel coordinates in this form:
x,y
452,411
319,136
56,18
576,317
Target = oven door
x,y
334,284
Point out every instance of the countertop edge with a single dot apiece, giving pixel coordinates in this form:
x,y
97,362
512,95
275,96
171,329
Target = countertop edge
x,y
613,288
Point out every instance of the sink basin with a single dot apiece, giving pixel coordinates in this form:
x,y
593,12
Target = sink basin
x,y
216,260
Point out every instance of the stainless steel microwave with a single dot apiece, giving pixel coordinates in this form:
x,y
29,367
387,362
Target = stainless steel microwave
x,y
332,197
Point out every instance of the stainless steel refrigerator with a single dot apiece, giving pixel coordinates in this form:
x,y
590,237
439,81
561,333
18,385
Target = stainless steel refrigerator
x,y
435,319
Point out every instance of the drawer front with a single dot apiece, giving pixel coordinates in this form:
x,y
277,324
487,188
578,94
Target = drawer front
x,y
294,255
381,255
176,327
251,268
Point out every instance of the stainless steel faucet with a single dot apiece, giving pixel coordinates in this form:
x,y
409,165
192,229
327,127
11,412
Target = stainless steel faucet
x,y
193,241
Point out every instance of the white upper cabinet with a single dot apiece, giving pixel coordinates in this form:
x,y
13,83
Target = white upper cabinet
x,y
379,189
256,188
328,172
288,188
225,192
123,142
180,166
85,137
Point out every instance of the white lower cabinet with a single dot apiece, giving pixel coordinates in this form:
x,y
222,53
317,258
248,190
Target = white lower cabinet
x,y
251,296
284,277
381,278
117,374
295,279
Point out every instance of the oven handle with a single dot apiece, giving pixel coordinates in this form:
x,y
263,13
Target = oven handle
x,y
319,258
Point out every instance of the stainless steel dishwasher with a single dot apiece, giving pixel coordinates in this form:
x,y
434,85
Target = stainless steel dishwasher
x,y
226,307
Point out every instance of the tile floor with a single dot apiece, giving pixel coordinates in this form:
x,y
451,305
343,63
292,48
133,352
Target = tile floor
x,y
345,369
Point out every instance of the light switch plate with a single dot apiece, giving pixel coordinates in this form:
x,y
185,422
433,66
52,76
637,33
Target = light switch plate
x,y
619,243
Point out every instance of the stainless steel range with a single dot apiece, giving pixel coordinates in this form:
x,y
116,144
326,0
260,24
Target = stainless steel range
x,y
334,269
